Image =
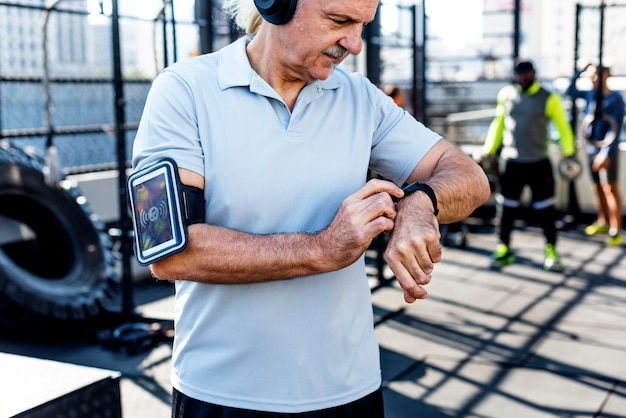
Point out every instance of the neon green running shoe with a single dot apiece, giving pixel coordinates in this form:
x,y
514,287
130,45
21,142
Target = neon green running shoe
x,y
596,228
552,262
615,241
502,256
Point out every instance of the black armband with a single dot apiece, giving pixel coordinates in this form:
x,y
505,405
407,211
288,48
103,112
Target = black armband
x,y
193,204
162,208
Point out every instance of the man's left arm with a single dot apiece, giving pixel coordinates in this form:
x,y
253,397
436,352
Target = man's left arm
x,y
556,112
459,183
460,186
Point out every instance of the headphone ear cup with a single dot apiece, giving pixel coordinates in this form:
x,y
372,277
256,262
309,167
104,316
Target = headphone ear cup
x,y
277,12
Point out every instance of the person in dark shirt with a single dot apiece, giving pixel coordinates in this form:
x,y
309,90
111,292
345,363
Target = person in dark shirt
x,y
602,130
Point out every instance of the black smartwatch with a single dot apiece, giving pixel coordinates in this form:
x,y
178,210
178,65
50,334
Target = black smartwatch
x,y
413,187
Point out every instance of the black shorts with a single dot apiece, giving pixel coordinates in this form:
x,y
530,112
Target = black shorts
x,y
370,406
611,173
537,175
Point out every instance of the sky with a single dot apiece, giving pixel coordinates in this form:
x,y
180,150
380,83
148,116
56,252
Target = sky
x,y
457,22
146,9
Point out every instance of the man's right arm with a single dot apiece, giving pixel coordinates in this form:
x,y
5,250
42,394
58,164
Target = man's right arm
x,y
556,112
226,256
493,141
572,90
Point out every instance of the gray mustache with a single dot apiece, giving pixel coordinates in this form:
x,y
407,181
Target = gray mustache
x,y
336,52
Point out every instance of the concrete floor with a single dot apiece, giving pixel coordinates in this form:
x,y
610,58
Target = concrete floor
x,y
516,343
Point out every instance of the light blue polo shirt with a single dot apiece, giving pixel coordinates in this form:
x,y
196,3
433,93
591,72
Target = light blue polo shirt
x,y
293,345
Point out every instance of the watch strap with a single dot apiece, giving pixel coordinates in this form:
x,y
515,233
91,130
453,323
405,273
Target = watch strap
x,y
413,187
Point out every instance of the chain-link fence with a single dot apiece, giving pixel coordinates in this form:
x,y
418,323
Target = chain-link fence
x,y
57,71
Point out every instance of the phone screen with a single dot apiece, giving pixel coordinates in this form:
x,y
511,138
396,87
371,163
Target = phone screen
x,y
154,200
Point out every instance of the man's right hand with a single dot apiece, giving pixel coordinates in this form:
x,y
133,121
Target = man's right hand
x,y
361,217
222,255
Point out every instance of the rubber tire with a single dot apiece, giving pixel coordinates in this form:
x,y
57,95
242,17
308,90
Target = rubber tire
x,y
65,275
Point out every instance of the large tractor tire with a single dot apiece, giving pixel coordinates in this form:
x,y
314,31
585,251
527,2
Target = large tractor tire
x,y
58,271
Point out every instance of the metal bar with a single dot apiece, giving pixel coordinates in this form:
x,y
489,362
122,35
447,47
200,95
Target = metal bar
x,y
592,6
66,130
516,29
0,93
414,90
574,107
424,63
372,39
173,20
165,54
573,208
128,305
204,20
600,90
45,79
70,80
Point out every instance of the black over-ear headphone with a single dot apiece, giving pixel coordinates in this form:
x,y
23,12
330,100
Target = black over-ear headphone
x,y
277,12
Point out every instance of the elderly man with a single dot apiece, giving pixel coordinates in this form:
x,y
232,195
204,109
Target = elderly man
x,y
273,309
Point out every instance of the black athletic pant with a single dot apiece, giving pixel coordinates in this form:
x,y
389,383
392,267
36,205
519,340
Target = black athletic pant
x,y
539,177
370,406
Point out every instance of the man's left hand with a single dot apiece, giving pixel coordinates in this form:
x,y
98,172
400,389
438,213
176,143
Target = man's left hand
x,y
414,245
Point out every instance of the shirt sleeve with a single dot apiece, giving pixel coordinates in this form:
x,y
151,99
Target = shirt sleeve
x,y
493,141
169,126
572,90
556,112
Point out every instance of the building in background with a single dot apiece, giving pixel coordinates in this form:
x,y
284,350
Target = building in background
x,y
478,33
79,37
548,33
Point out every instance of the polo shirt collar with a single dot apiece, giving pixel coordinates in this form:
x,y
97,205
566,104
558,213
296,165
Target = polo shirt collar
x,y
234,69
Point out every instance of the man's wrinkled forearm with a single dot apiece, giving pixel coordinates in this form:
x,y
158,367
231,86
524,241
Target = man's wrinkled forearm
x,y
460,185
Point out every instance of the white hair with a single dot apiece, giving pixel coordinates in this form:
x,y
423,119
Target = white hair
x,y
244,13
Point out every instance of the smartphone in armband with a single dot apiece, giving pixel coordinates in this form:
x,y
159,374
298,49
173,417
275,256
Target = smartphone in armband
x,y
162,208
